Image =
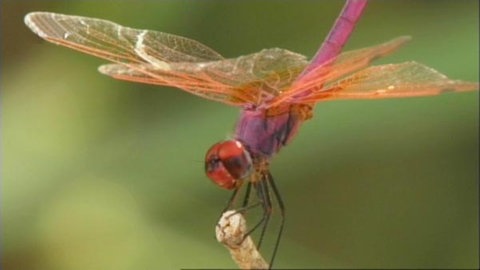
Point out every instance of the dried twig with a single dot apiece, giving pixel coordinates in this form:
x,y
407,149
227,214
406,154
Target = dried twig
x,y
230,231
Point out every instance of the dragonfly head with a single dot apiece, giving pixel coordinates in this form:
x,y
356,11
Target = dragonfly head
x,y
227,162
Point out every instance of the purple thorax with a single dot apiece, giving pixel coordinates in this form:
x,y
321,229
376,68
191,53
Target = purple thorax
x,y
264,133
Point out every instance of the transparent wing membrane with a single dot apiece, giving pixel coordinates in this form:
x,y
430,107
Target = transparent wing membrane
x,y
343,65
407,79
114,42
268,78
249,79
159,58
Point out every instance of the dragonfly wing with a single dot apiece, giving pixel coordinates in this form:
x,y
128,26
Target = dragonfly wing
x,y
117,43
165,59
344,64
259,76
199,83
245,80
408,79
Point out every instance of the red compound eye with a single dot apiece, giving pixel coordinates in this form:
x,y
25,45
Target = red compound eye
x,y
227,162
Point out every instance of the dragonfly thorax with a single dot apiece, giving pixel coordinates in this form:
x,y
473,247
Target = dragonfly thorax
x,y
227,162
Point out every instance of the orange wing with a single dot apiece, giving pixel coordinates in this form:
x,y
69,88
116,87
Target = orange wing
x,y
245,80
159,58
344,64
408,79
266,78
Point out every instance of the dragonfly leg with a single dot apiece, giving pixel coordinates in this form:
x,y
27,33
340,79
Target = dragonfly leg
x,y
244,207
267,194
247,195
231,200
264,195
281,206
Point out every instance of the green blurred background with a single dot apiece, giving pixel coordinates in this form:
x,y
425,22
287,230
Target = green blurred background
x,y
104,174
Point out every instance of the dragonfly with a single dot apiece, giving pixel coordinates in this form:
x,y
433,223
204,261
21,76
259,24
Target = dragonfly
x,y
275,89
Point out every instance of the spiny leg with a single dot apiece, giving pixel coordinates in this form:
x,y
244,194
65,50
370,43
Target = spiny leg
x,y
267,207
278,198
244,207
264,199
231,200
264,196
247,195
